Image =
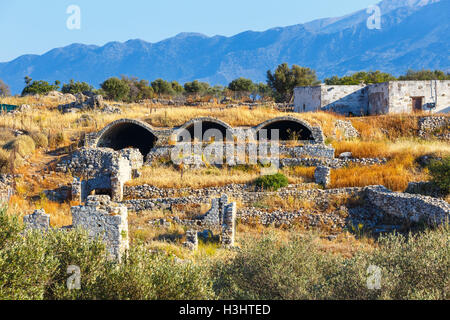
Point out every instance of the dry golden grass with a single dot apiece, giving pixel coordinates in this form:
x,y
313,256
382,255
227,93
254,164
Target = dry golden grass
x,y
395,175
169,177
389,149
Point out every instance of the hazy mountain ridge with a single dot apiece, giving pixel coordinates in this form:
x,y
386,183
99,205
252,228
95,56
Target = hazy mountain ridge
x,y
414,34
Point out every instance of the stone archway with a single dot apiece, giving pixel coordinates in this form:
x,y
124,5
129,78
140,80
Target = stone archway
x,y
206,124
289,128
127,133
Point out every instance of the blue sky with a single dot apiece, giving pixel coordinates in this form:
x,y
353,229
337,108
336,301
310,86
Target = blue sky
x,y
30,26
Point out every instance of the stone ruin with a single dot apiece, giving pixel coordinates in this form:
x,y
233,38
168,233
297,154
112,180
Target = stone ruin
x,y
322,176
430,127
6,189
100,217
407,207
39,220
87,101
221,217
345,129
101,170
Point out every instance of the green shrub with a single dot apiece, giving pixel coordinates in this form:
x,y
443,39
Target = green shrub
x,y
74,87
269,270
39,87
413,267
440,171
148,276
272,182
40,139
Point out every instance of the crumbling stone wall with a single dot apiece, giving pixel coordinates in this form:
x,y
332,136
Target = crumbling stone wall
x,y
401,93
344,99
39,220
101,169
322,176
191,240
408,207
429,126
345,129
221,217
103,218
6,189
229,225
307,99
100,217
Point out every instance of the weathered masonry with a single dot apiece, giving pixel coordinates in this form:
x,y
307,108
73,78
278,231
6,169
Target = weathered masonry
x,y
381,98
128,133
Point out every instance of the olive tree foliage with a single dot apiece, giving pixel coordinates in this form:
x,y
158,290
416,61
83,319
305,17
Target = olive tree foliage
x,y
39,86
425,75
196,87
285,79
76,87
4,89
115,89
361,77
162,87
139,89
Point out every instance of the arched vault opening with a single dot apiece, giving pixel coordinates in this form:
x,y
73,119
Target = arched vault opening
x,y
288,129
206,124
125,133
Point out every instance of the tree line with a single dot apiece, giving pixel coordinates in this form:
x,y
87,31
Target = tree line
x,y
279,85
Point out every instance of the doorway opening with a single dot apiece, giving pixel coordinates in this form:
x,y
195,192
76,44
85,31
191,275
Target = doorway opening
x,y
417,104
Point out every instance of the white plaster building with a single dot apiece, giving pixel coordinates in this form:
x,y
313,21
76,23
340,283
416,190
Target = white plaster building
x,y
373,99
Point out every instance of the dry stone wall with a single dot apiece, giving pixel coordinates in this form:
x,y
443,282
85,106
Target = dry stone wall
x,y
104,219
100,217
39,220
408,207
438,127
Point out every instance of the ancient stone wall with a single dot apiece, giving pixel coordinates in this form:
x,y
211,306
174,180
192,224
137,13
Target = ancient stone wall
x,y
438,127
6,188
344,129
191,240
101,169
39,220
378,95
229,225
408,207
322,176
104,219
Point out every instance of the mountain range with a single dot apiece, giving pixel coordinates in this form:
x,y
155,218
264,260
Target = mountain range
x,y
414,34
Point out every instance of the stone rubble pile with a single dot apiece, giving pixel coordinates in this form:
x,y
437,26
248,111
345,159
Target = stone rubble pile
x,y
345,129
88,102
438,127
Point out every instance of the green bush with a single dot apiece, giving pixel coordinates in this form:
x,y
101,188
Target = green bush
x,y
76,87
440,171
39,87
412,267
35,267
272,182
116,89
